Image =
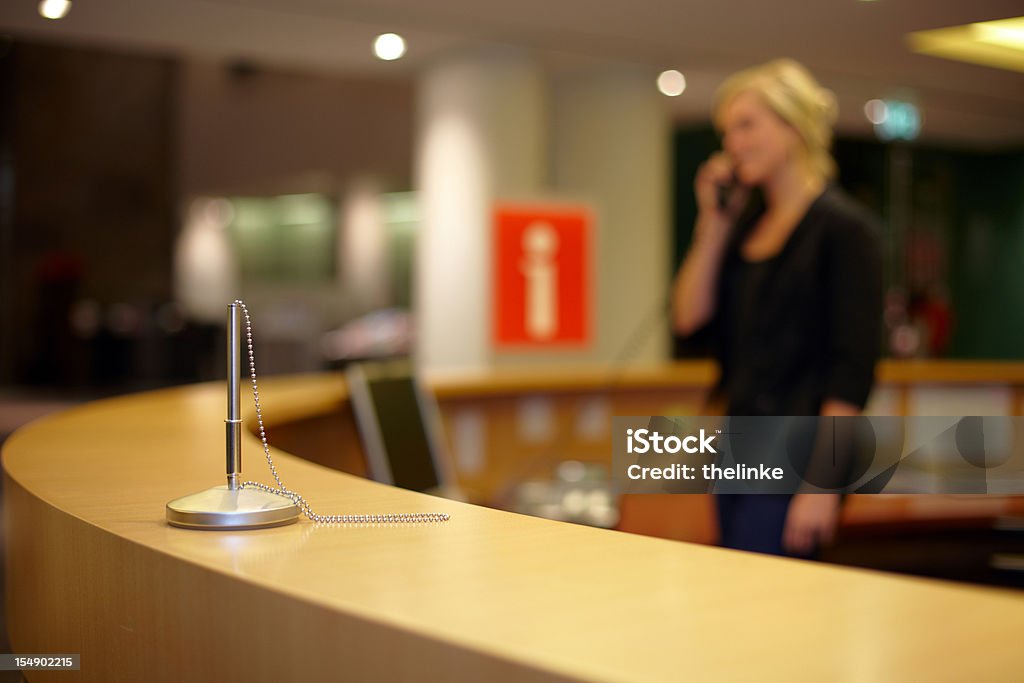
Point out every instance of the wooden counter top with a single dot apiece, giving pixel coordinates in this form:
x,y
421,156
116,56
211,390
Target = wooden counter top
x,y
700,373
94,569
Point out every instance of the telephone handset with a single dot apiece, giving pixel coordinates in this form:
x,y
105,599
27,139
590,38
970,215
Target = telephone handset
x,y
725,191
753,197
729,186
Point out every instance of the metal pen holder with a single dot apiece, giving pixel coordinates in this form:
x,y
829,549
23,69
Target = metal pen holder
x,y
232,506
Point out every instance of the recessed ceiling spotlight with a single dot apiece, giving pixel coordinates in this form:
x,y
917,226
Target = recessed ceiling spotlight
x,y
389,46
54,9
671,83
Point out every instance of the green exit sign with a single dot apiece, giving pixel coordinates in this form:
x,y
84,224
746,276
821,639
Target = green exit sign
x,y
902,121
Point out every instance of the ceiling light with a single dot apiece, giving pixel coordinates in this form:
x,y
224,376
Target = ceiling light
x,y
997,43
54,9
876,111
389,46
1008,33
671,83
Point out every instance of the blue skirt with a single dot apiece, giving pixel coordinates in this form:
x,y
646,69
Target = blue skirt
x,y
753,521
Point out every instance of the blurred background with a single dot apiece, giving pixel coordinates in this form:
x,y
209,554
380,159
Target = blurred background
x,y
336,165
160,159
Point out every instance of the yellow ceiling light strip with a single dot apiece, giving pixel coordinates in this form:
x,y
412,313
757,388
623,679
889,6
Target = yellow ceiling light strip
x,y
998,44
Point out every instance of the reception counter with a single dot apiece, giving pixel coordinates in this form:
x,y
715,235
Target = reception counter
x,y
92,568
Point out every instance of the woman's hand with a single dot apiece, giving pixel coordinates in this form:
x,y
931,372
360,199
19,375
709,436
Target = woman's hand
x,y
813,517
715,173
810,522
693,298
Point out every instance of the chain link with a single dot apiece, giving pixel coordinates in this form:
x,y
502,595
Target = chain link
x,y
282,490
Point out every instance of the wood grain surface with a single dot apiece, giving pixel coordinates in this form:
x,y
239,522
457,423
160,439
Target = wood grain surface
x,y
94,569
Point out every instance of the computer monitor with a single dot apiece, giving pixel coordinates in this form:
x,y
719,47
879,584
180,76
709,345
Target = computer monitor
x,y
400,428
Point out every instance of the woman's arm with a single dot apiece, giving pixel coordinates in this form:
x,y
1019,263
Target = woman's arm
x,y
693,294
855,266
812,518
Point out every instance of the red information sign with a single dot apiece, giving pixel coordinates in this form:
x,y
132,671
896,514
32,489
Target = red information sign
x,y
541,275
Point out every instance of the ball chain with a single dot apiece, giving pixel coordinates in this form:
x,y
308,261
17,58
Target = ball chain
x,y
390,518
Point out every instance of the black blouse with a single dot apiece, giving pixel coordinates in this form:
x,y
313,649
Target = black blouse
x,y
804,325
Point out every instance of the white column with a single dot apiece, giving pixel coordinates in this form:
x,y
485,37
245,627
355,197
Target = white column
x,y
206,276
480,136
363,245
611,145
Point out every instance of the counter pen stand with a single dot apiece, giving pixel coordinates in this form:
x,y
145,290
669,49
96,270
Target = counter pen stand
x,y
232,506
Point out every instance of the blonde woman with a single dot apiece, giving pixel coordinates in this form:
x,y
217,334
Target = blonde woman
x,y
783,279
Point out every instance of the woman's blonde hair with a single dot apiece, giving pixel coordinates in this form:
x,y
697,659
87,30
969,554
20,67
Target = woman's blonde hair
x,y
789,90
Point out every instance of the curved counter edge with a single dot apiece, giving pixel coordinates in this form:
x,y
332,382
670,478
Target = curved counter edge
x,y
94,569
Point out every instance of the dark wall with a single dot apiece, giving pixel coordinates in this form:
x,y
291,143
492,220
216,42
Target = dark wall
x,y
987,271
100,151
88,146
956,247
272,130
